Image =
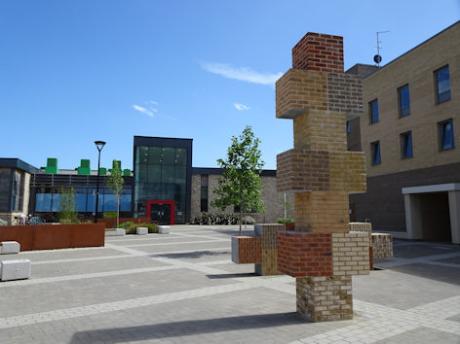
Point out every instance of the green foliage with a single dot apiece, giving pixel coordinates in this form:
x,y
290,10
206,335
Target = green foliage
x,y
67,213
130,227
240,185
285,220
115,181
110,214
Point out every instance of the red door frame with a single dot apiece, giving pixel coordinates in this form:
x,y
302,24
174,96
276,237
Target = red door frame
x,y
170,202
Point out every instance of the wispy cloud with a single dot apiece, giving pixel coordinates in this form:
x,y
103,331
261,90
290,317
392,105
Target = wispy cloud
x,y
241,73
241,107
150,109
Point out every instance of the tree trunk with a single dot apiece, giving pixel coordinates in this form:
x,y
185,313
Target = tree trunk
x,y
118,211
240,220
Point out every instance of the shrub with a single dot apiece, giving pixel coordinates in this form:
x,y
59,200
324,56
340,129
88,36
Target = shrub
x,y
285,220
110,214
130,227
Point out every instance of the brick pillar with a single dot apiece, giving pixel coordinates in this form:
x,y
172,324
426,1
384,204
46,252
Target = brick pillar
x,y
267,233
318,96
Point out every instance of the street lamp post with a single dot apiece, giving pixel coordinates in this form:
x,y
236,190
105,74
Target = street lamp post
x,y
99,146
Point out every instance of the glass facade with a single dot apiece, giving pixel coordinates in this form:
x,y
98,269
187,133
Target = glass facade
x,y
5,189
162,169
48,200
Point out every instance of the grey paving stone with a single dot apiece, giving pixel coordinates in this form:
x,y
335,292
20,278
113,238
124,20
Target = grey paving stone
x,y
422,335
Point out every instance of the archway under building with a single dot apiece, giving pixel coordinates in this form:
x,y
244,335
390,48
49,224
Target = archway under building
x,y
433,212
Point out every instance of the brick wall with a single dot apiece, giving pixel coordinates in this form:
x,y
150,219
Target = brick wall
x,y
319,52
304,254
246,250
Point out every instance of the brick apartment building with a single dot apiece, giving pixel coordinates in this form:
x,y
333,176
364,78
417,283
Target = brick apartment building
x,y
410,133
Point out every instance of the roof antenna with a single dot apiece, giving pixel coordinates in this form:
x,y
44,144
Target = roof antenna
x,y
378,57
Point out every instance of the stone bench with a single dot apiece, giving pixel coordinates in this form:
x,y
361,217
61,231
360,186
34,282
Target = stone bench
x,y
115,232
163,229
142,230
11,270
10,247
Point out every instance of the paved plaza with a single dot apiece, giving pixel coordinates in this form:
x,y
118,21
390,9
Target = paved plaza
x,y
183,288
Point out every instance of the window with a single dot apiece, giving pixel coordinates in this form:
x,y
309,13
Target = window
x,y
348,127
446,135
442,84
406,145
374,111
375,151
404,101
204,193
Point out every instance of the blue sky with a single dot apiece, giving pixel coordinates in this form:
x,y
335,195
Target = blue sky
x,y
75,71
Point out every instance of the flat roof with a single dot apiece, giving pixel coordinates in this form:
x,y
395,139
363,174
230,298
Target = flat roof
x,y
17,164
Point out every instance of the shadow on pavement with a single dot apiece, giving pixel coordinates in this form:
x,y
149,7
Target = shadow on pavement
x,y
196,254
234,275
185,328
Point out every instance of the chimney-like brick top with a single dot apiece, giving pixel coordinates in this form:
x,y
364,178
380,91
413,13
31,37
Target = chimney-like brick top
x,y
320,52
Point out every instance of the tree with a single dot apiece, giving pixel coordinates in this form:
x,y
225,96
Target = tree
x,y
67,213
240,185
115,181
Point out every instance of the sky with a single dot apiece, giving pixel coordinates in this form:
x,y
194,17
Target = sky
x,y
76,71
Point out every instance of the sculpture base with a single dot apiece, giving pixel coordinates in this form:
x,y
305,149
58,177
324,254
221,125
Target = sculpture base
x,y
325,298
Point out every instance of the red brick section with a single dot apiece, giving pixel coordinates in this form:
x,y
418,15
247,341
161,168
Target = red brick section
x,y
305,254
249,251
319,52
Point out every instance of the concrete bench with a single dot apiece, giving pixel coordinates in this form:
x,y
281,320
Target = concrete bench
x,y
11,270
115,232
163,229
142,230
10,247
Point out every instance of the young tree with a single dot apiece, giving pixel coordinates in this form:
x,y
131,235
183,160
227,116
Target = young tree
x,y
115,181
67,213
240,185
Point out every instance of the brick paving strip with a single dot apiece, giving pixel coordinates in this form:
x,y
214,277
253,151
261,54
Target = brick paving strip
x,y
373,322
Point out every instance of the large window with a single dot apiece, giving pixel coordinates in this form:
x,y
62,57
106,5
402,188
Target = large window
x,y
446,135
204,193
406,145
374,111
442,84
404,101
48,200
375,153
161,175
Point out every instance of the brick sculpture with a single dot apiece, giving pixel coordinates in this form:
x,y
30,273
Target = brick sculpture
x,y
322,254
260,249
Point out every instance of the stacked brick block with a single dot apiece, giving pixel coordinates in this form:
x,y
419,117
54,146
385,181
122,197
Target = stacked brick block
x,y
269,248
260,249
322,254
325,298
246,250
382,246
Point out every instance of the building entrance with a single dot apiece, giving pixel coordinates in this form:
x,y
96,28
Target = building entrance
x,y
161,211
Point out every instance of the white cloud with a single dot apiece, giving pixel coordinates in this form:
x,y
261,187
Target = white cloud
x,y
241,73
241,107
150,109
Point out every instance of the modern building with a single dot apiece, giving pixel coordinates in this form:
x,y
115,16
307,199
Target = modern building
x,y
410,133
163,187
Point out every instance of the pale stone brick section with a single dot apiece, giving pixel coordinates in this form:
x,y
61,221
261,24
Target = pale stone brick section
x,y
325,298
360,227
350,253
267,234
